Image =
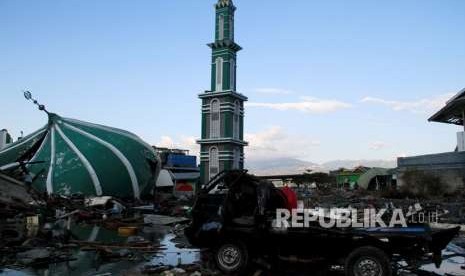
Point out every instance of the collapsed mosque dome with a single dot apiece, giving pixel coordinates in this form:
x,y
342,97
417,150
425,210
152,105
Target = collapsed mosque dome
x,y
69,156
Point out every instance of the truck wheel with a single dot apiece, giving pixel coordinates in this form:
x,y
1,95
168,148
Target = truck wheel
x,y
368,261
232,257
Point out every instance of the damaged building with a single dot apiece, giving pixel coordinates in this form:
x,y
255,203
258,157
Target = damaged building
x,y
365,178
448,167
179,172
69,156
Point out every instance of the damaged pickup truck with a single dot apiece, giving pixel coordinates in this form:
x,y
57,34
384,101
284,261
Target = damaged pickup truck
x,y
235,215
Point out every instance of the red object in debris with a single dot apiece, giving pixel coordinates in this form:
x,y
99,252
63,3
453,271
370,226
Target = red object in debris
x,y
184,188
291,198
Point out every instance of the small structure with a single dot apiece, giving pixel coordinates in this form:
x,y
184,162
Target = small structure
x,y
364,178
448,167
165,181
348,178
185,183
180,173
377,179
5,138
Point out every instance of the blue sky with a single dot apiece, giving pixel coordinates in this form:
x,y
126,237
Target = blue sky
x,y
325,79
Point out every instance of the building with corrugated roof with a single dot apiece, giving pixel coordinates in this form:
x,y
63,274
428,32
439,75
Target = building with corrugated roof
x,y
180,173
448,167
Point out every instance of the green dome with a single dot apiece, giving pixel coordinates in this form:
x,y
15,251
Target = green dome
x,y
87,158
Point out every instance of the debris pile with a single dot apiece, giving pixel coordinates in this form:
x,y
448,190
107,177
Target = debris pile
x,y
68,230
113,236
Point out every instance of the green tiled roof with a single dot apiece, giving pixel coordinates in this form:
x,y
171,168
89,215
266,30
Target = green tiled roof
x,y
87,158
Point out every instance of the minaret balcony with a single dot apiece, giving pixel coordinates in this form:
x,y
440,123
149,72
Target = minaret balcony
x,y
211,94
222,140
225,43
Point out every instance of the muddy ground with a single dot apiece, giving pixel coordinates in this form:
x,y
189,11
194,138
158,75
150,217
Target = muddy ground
x,y
170,255
95,246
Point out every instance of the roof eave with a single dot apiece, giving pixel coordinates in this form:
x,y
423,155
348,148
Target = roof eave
x,y
448,111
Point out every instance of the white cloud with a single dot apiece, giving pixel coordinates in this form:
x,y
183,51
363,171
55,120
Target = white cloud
x,y
273,91
417,106
165,142
182,142
306,105
377,145
275,142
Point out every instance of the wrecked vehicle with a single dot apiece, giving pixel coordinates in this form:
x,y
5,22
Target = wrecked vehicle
x,y
235,216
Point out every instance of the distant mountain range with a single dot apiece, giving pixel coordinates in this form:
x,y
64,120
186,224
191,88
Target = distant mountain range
x,y
296,166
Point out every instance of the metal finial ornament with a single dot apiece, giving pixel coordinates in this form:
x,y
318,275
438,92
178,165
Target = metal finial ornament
x,y
28,96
